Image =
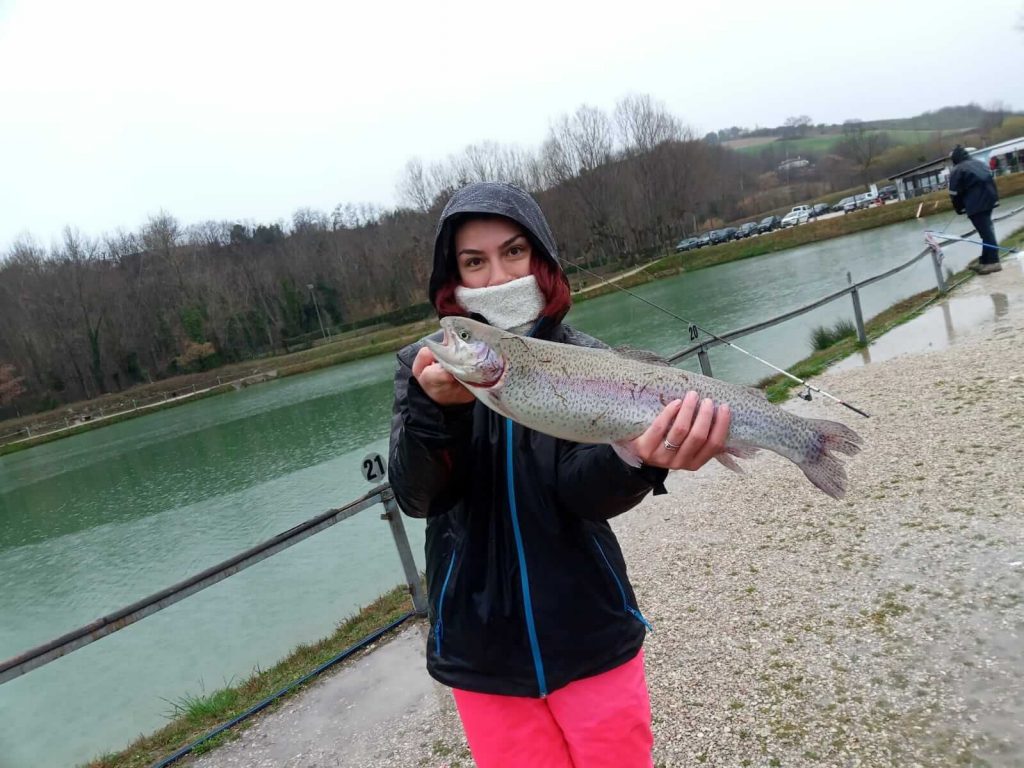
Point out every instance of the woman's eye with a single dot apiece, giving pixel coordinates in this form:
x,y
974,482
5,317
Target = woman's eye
x,y
516,250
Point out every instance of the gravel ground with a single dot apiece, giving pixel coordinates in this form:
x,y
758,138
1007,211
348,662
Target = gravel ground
x,y
793,630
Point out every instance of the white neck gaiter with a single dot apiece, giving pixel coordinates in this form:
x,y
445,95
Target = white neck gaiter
x,y
506,306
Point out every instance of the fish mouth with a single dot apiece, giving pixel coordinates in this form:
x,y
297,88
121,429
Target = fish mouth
x,y
442,352
459,359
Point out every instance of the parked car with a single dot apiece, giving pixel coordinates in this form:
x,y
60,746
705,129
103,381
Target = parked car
x,y
889,192
717,236
841,205
819,208
704,239
768,224
730,233
746,230
687,244
799,215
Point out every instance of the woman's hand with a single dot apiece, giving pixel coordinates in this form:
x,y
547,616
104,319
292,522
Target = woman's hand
x,y
440,386
685,435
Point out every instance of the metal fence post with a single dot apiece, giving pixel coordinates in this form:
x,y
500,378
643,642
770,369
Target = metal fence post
x,y
412,577
937,263
858,315
705,361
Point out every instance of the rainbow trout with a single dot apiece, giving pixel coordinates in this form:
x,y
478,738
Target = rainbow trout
x,y
591,395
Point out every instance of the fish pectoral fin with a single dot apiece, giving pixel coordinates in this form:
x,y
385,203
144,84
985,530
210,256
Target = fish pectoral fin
x,y
742,451
623,451
729,462
725,458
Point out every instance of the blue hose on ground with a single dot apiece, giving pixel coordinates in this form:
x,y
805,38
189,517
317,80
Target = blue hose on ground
x,y
278,694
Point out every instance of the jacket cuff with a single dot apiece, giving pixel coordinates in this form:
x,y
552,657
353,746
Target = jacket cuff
x,y
656,477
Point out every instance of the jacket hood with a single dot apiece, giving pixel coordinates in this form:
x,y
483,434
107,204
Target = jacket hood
x,y
488,197
959,154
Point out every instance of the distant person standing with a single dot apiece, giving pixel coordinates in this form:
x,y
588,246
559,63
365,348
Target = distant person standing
x,y
972,189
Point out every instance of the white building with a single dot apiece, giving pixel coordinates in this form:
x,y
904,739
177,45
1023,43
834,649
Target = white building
x,y
1009,156
927,177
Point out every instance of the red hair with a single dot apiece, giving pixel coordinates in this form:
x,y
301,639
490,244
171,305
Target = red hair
x,y
553,284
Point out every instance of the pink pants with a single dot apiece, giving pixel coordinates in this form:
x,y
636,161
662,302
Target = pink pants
x,y
602,721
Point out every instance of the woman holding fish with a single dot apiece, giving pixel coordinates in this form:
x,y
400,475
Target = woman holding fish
x,y
534,624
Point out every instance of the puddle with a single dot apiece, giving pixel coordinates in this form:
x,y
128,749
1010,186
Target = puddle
x,y
991,305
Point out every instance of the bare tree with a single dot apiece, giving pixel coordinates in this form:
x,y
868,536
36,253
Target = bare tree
x,y
308,220
414,187
797,126
862,145
643,124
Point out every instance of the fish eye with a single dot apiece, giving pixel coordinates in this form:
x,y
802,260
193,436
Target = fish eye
x,y
464,334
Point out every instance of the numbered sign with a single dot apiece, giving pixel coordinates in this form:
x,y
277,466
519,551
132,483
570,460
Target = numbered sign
x,y
374,468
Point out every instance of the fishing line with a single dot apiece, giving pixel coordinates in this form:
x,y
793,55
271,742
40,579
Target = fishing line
x,y
797,379
968,240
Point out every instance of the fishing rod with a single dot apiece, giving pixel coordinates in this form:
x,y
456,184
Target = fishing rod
x,y
968,240
797,379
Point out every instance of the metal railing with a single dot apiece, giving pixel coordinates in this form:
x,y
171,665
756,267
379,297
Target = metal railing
x,y
701,348
118,620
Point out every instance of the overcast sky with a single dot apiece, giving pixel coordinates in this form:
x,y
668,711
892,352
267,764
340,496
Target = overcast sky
x,y
111,110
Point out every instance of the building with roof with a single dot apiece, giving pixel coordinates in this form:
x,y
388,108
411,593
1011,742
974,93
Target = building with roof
x,y
1008,157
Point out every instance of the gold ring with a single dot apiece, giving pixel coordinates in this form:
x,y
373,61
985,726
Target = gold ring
x,y
670,446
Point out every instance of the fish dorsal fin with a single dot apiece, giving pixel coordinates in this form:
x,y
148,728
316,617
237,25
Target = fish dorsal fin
x,y
642,355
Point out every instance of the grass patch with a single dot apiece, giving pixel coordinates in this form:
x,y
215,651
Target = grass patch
x,y
823,338
192,716
200,709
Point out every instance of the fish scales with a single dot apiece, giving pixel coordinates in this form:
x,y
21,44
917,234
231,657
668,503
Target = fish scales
x,y
592,395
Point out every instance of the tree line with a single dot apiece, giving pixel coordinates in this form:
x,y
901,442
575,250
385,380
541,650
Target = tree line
x,y
92,315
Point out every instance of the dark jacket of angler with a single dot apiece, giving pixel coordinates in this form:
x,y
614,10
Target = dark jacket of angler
x,y
971,185
527,585
600,396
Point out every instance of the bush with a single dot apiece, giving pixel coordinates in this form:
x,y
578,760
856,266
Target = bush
x,y
196,357
823,338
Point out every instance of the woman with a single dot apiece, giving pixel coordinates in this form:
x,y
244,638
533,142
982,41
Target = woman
x,y
534,624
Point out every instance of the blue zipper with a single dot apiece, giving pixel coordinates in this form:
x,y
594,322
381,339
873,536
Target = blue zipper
x,y
439,624
625,603
531,629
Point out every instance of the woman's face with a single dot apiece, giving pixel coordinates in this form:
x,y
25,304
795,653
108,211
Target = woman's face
x,y
491,252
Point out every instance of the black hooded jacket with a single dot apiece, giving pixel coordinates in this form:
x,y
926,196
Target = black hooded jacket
x,y
527,587
971,185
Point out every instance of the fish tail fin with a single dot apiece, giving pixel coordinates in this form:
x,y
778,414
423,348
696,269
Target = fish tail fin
x,y
821,467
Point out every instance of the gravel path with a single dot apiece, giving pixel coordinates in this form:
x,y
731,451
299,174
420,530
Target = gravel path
x,y
792,630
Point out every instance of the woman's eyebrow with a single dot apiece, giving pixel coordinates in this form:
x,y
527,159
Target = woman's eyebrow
x,y
511,240
476,252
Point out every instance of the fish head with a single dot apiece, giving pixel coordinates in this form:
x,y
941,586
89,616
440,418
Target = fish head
x,y
470,351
